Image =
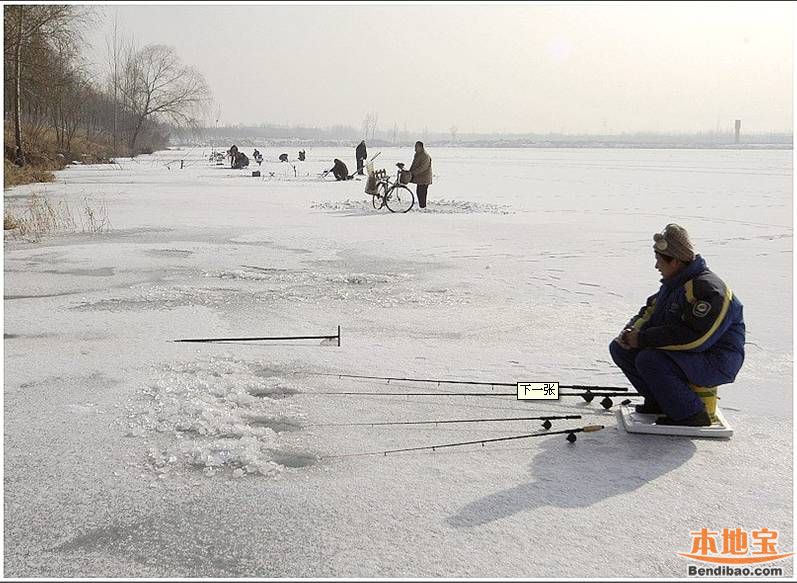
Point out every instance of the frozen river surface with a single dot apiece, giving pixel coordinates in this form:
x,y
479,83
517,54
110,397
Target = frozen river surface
x,y
128,455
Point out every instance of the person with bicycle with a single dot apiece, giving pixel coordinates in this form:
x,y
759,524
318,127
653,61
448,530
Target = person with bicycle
x,y
421,173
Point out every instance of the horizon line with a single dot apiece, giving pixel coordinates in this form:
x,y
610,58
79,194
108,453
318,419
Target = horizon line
x,y
674,132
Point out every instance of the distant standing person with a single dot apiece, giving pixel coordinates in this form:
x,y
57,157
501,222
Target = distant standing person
x,y
361,154
233,152
421,173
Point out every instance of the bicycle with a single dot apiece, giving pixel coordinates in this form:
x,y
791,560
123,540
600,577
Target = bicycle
x,y
397,197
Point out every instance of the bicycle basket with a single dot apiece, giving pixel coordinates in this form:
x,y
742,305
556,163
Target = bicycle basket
x,y
370,184
405,177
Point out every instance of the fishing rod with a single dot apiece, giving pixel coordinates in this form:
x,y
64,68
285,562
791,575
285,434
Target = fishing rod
x,y
588,396
460,382
493,394
571,437
546,418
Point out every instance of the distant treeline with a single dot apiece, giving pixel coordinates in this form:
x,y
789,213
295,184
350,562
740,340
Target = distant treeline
x,y
277,135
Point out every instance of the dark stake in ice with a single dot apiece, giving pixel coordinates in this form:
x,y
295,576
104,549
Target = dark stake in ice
x,y
260,338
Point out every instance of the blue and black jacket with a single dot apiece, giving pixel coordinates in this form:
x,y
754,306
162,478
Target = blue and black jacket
x,y
694,311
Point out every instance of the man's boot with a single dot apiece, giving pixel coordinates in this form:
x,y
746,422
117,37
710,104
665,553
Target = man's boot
x,y
649,407
699,419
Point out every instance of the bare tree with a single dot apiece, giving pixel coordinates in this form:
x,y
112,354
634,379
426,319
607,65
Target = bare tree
x,y
374,120
116,47
23,24
369,125
156,85
366,125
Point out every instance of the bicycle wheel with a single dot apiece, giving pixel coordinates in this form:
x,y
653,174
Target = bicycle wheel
x,y
378,199
399,199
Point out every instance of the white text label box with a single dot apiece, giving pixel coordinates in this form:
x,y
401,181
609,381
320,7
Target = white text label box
x,y
534,391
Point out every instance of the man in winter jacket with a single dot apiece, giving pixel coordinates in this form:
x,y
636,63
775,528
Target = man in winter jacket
x,y
339,170
361,154
421,172
241,160
691,331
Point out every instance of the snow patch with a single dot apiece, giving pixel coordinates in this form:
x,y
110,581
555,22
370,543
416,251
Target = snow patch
x,y
453,206
383,290
306,278
441,206
212,412
362,206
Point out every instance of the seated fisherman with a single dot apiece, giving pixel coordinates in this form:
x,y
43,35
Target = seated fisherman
x,y
340,171
241,161
691,331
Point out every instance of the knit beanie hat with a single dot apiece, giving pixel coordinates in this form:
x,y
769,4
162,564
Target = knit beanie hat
x,y
674,242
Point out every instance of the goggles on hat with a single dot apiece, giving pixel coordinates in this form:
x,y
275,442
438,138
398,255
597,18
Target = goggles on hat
x,y
660,243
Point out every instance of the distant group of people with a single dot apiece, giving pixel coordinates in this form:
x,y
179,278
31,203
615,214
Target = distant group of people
x,y
240,160
420,170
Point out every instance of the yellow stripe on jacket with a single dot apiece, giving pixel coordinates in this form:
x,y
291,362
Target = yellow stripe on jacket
x,y
642,320
690,294
726,302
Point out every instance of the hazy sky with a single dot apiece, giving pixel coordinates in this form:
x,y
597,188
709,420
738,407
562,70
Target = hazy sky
x,y
511,67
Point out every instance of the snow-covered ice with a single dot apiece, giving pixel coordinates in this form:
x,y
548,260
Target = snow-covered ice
x,y
128,455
